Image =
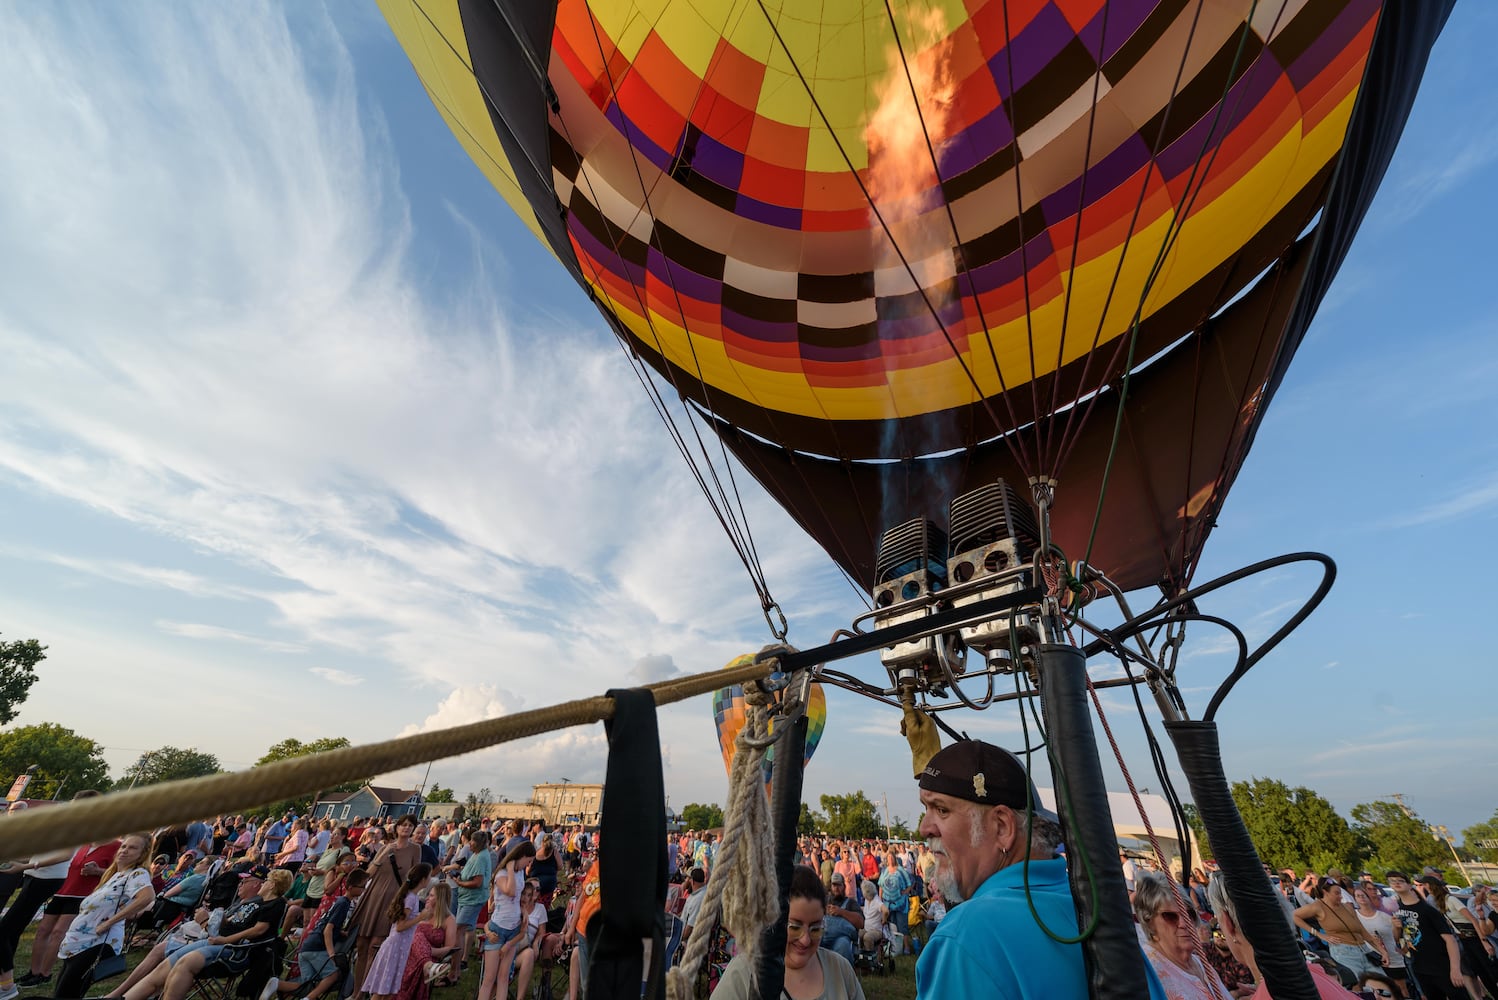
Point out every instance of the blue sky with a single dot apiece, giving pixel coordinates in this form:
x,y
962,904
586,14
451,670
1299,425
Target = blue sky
x,y
302,435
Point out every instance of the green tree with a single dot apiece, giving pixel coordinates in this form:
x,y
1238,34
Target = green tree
x,y
64,759
1295,827
899,831
170,764
1397,839
1198,829
810,821
851,816
697,816
18,660
293,747
439,794
1474,836
478,802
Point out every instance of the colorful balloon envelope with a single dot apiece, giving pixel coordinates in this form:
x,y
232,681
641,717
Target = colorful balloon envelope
x,y
730,713
896,251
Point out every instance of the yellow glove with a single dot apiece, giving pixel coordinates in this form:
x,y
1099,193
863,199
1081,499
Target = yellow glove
x,y
920,732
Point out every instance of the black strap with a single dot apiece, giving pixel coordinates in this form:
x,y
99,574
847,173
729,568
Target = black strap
x,y
631,858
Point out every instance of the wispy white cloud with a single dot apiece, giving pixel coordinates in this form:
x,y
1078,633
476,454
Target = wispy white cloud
x,y
216,335
1448,165
1477,497
335,676
134,574
193,630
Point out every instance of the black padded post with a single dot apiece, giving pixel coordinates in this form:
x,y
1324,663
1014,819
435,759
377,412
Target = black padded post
x,y
1115,963
785,814
1259,912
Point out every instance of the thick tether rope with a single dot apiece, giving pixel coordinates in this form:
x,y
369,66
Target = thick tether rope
x,y
98,819
738,888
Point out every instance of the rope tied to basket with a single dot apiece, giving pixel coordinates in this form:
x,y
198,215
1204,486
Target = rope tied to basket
x,y
738,891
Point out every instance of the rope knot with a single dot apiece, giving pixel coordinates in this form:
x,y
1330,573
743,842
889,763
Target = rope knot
x,y
757,695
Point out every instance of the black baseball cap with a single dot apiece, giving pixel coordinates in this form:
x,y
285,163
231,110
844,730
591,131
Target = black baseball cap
x,y
981,772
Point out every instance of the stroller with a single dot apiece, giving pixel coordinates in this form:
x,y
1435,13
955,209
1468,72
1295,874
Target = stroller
x,y
881,960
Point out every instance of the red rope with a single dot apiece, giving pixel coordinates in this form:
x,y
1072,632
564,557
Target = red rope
x,y
1196,942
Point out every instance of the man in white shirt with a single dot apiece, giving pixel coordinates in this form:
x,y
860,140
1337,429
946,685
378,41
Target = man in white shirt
x,y
693,905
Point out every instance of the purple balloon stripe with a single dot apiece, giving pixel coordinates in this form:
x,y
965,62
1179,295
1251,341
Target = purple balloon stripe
x,y
1102,180
771,215
1332,42
686,281
759,329
1124,17
974,144
1243,98
1031,50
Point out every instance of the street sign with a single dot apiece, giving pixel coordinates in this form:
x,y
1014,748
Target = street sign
x,y
19,788
1488,845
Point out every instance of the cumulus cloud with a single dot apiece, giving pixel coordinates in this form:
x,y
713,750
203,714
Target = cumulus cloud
x,y
578,754
654,667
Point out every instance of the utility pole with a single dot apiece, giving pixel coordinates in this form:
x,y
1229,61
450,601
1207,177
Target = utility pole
x,y
884,796
1438,833
1441,833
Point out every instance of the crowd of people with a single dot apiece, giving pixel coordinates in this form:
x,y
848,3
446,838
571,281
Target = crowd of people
x,y
383,910
391,909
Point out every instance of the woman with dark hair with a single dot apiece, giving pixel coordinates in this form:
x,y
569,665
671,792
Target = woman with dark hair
x,y
388,871
544,870
811,971
504,918
1341,929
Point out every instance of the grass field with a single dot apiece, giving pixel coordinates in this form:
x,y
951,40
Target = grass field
x,y
900,985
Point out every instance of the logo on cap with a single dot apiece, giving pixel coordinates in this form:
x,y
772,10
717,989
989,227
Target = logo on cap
x,y
980,786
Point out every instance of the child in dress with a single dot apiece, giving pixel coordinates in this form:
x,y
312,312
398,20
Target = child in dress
x,y
389,965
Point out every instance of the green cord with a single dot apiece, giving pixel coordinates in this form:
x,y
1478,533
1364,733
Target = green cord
x,y
1063,796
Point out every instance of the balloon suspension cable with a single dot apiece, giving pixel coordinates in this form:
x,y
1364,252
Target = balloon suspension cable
x,y
1043,488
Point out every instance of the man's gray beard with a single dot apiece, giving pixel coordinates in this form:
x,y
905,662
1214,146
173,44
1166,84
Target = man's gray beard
x,y
944,879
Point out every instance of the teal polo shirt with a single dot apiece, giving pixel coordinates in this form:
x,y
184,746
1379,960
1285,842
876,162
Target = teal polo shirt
x,y
991,946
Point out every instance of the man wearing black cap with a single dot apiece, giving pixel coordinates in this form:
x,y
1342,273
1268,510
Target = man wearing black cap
x,y
975,795
844,919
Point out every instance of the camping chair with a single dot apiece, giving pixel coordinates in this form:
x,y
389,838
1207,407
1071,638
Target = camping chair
x,y
240,973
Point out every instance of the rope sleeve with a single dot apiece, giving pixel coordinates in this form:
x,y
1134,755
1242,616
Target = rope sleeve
x,y
1259,913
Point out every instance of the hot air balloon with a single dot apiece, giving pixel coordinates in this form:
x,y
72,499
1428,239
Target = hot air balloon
x,y
879,300
729,715
904,258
